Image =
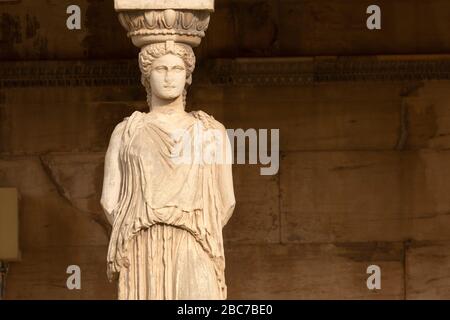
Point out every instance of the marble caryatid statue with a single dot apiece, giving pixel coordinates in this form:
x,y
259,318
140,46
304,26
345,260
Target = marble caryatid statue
x,y
168,209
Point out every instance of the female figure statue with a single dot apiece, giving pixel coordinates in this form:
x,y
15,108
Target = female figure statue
x,y
167,215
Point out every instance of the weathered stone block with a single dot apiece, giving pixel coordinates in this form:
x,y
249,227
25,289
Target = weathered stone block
x,y
428,270
313,271
256,217
48,215
334,116
365,196
40,128
42,274
427,116
328,27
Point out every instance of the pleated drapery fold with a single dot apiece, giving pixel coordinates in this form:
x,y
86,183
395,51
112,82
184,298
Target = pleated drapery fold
x,y
167,263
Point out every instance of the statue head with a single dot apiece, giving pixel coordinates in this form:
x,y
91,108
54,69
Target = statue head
x,y
166,70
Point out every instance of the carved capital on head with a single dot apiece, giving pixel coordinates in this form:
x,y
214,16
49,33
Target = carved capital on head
x,y
154,21
153,26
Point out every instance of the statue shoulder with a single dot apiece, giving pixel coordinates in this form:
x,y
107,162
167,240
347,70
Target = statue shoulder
x,y
208,120
126,125
133,118
118,131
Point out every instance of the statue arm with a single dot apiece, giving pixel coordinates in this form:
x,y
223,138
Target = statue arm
x,y
224,166
225,177
112,174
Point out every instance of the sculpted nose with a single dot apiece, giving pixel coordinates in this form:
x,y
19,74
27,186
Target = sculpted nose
x,y
168,77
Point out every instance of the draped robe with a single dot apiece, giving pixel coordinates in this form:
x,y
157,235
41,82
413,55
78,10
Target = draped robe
x,y
167,240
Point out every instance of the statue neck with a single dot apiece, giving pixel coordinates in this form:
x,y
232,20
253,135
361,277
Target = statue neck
x,y
167,106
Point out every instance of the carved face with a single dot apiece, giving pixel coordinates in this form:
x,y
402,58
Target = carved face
x,y
168,77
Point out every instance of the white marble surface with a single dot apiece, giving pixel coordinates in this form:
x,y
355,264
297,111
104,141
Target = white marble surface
x,y
167,216
164,4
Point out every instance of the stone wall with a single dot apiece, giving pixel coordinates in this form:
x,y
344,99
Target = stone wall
x,y
365,159
363,180
33,30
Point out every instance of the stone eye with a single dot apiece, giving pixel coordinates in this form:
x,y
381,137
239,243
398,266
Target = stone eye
x,y
178,69
159,68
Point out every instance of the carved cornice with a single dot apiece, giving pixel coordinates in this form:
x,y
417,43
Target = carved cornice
x,y
255,72
299,71
68,73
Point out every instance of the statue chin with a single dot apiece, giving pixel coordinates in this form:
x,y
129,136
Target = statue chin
x,y
168,97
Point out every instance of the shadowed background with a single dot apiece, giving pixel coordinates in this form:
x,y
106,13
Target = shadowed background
x,y
364,119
